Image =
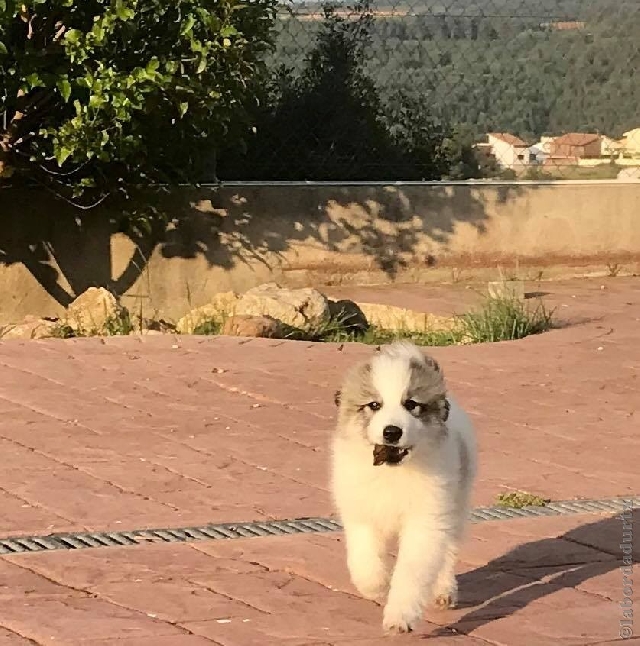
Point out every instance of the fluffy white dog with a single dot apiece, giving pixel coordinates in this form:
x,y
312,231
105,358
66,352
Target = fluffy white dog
x,y
404,461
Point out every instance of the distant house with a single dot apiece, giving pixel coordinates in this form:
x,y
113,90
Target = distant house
x,y
545,144
610,147
509,151
631,143
539,152
575,146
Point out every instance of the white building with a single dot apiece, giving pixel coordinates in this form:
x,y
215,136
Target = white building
x,y
510,151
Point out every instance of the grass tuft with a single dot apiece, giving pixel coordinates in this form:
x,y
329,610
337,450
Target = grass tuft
x,y
117,325
208,326
520,499
505,319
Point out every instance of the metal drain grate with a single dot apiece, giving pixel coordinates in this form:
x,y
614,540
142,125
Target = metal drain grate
x,y
561,508
85,540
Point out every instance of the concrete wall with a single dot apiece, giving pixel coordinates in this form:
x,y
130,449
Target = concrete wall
x,y
237,237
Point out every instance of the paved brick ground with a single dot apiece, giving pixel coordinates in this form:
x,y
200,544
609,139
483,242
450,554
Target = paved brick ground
x,y
165,431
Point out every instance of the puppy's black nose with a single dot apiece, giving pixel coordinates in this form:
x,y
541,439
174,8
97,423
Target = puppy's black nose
x,y
392,434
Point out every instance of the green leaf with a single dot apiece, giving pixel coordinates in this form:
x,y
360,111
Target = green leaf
x,y
171,67
33,80
62,154
64,87
99,32
187,25
152,66
3,48
73,36
202,66
183,108
123,12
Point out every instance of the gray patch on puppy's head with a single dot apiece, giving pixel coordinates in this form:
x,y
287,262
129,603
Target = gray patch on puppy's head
x,y
428,388
357,391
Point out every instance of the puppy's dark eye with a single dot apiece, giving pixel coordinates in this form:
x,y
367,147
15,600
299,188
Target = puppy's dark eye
x,y
374,406
412,406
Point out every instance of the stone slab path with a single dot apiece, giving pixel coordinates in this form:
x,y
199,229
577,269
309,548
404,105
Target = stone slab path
x,y
163,431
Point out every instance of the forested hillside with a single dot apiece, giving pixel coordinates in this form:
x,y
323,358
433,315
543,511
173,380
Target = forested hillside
x,y
530,67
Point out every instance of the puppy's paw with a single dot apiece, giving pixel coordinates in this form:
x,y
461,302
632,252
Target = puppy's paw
x,y
446,594
370,578
373,593
396,622
373,588
446,601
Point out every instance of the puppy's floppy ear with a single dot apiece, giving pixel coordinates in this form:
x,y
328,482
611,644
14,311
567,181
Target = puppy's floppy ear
x,y
432,363
337,398
445,407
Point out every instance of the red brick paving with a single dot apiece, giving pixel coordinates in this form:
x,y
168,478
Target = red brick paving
x,y
542,580
163,431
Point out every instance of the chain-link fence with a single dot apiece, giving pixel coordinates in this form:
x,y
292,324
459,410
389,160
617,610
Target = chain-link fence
x,y
449,89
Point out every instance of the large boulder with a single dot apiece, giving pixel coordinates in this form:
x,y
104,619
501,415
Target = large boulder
x,y
220,308
256,326
93,310
31,328
389,317
305,309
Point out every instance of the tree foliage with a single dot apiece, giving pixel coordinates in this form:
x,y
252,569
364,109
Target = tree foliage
x,y
530,68
327,120
97,93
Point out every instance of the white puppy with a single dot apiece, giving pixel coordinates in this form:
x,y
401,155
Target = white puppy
x,y
404,460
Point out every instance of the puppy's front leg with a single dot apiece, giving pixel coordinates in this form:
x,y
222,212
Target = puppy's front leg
x,y
420,556
366,560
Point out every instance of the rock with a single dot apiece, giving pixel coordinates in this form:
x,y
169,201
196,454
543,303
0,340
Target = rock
x,y
299,308
92,310
222,306
349,315
389,317
256,326
31,328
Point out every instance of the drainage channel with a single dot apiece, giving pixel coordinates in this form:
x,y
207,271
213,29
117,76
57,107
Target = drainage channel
x,y
86,540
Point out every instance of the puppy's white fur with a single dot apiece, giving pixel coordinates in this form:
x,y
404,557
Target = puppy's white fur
x,y
422,503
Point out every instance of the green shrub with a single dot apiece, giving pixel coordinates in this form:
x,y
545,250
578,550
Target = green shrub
x,y
98,93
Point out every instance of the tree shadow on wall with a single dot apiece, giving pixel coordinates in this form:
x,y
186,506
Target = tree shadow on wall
x,y
389,226
68,252
65,250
